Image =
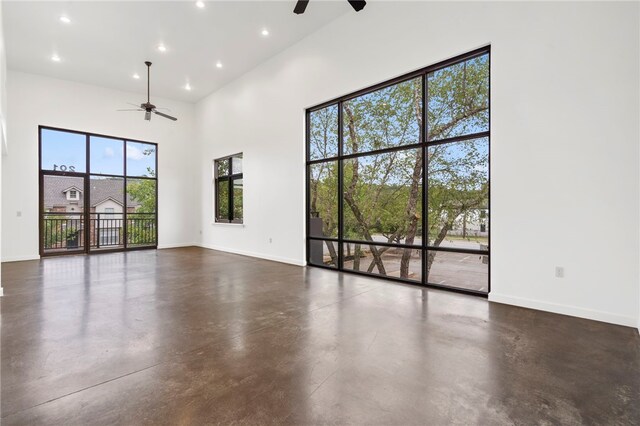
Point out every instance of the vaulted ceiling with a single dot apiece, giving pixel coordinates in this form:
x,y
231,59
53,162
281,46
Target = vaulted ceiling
x,y
106,43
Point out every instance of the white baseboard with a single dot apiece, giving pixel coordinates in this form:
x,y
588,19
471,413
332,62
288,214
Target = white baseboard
x,y
253,254
167,246
19,258
556,308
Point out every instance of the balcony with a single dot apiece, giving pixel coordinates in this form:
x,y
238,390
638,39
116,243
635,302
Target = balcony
x,y
65,232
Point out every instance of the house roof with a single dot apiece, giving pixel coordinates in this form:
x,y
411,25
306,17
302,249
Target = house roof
x,y
107,199
101,189
71,188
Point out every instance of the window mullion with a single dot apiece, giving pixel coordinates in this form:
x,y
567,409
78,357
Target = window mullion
x,y
230,196
424,132
340,188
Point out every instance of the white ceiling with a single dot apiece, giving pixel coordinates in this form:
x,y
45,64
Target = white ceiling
x,y
107,42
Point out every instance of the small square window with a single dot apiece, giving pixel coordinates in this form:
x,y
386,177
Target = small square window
x,y
73,195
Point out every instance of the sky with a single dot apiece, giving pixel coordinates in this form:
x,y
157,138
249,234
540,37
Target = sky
x,y
64,151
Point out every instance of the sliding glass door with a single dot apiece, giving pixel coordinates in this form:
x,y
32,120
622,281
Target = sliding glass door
x,y
97,193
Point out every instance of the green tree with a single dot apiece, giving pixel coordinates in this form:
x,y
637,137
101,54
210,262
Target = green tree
x,y
324,176
141,226
144,192
383,193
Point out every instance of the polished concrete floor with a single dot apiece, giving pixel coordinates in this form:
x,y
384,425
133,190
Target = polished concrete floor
x,y
193,336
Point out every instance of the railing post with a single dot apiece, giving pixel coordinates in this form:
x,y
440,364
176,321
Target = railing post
x,y
97,231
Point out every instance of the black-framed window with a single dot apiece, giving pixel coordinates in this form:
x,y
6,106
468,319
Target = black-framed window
x,y
398,178
97,192
228,188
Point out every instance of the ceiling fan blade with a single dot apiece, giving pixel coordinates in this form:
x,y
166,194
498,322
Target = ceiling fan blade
x,y
301,6
138,109
357,5
165,115
147,115
132,104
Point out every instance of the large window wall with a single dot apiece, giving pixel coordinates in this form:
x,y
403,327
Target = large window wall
x,y
97,193
398,178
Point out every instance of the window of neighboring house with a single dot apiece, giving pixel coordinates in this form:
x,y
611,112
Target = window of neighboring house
x,y
72,195
109,210
228,188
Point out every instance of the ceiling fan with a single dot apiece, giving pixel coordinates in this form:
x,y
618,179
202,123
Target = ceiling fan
x,y
301,5
148,107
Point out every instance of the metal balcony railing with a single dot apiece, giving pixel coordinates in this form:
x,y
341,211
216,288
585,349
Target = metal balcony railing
x,y
63,231
66,230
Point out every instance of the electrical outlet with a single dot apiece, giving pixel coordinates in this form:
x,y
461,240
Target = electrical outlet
x,y
559,272
270,240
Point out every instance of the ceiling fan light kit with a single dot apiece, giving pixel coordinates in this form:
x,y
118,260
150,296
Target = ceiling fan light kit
x,y
301,6
148,107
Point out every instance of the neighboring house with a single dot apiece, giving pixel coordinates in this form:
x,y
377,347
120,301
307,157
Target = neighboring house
x,y
472,223
66,195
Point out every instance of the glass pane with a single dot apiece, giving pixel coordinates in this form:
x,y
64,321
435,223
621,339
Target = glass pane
x,y
141,212
236,165
141,159
107,208
222,194
323,196
62,216
323,253
383,197
458,194
324,133
389,261
384,118
63,151
223,167
458,99
237,199
461,270
107,156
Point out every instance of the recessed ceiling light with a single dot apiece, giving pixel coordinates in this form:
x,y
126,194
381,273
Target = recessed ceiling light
x,y
65,19
265,32
162,48
136,76
187,87
200,4
218,64
55,58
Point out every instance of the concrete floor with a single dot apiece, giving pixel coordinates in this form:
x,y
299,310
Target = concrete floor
x,y
193,336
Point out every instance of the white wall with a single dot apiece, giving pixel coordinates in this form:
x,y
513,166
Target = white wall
x,y
3,91
564,146
35,100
